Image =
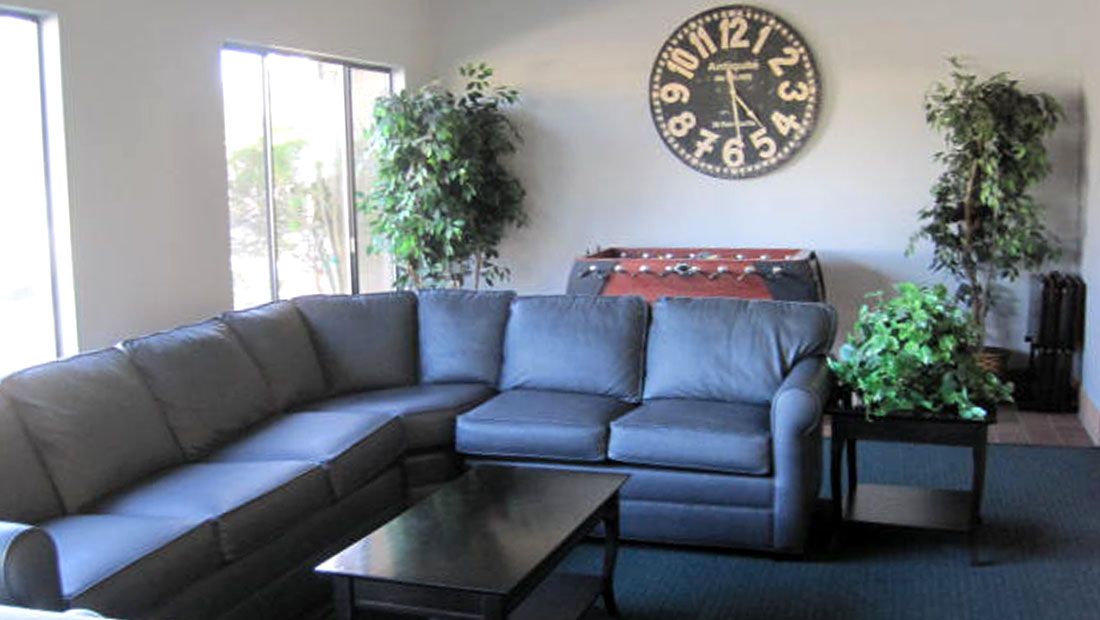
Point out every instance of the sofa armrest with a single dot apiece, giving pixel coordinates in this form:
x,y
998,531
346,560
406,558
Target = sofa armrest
x,y
29,575
796,449
800,400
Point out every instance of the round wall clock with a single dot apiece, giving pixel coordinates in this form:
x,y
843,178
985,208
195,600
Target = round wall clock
x,y
734,92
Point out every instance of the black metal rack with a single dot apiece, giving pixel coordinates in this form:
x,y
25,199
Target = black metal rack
x,y
1056,326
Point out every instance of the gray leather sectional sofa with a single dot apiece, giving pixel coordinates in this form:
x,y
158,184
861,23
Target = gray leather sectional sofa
x,y
202,472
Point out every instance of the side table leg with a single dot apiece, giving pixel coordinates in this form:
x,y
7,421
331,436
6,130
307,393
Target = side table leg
x,y
853,476
835,451
343,598
611,553
977,489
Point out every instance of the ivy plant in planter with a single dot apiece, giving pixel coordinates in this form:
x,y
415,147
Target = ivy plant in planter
x,y
442,198
982,222
915,353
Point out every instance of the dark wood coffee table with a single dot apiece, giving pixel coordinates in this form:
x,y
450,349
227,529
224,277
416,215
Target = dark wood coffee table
x,y
485,546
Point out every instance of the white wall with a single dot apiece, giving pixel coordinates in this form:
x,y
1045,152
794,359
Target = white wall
x,y
1091,255
145,138
598,174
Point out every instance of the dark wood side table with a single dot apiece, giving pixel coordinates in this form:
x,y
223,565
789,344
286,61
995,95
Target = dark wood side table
x,y
907,506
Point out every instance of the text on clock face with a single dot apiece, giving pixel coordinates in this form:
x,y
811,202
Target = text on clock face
x,y
734,92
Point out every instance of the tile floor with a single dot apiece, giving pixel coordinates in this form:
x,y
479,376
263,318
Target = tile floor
x,y
1034,429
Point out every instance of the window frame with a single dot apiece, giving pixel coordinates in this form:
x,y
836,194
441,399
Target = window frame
x,y
354,245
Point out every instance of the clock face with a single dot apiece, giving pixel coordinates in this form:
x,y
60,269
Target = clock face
x,y
734,92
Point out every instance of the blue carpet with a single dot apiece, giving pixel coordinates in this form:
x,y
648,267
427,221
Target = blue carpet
x,y
1041,535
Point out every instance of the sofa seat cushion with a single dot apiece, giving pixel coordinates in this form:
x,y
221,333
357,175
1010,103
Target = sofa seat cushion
x,y
539,424
249,503
427,411
122,564
351,448
695,434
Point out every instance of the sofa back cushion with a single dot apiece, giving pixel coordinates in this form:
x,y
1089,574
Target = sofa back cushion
x,y
576,343
733,350
209,387
278,340
462,335
94,423
27,494
364,342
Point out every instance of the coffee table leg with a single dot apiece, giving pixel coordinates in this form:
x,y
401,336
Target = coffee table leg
x,y
343,599
611,552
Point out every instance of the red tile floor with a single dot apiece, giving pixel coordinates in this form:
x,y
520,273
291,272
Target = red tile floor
x,y
1034,429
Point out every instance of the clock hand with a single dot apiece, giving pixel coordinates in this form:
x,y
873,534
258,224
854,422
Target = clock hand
x,y
733,103
755,118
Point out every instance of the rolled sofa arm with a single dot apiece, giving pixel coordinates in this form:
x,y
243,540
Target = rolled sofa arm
x,y
29,575
796,449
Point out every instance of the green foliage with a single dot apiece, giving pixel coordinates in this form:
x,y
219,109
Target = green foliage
x,y
915,352
442,198
982,222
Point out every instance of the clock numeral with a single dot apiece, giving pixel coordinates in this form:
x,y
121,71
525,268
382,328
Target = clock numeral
x,y
784,123
702,42
674,92
681,124
790,57
763,143
733,32
683,62
785,93
733,152
761,39
706,144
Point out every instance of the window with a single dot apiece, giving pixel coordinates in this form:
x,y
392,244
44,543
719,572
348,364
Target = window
x,y
295,147
35,269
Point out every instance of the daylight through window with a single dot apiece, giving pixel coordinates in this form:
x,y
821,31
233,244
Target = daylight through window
x,y
29,291
296,151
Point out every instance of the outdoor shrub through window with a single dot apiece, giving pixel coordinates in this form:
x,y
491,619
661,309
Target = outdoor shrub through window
x,y
295,146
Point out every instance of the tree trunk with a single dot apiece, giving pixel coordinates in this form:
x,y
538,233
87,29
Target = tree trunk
x,y
478,259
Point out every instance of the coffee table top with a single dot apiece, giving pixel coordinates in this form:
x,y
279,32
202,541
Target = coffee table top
x,y
484,532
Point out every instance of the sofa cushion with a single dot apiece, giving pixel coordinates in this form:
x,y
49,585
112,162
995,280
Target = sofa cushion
x,y
576,343
462,335
278,340
695,434
364,342
122,565
351,448
210,388
734,350
427,412
26,493
250,503
539,424
94,423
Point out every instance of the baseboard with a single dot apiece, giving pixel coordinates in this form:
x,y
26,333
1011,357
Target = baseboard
x,y
1090,417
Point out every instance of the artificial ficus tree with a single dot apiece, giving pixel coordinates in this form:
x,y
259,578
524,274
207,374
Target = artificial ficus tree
x,y
443,198
983,223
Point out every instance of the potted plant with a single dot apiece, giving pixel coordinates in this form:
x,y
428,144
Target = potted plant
x,y
442,198
983,224
915,353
